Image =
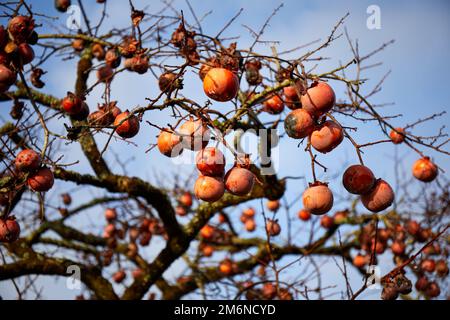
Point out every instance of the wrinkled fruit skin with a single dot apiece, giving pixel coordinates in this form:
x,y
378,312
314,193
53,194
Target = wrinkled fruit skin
x,y
169,144
221,84
9,230
274,105
128,128
379,198
425,170
299,124
358,179
327,137
42,180
291,98
28,160
239,181
318,199
194,135
319,99
209,189
273,228
210,162
397,136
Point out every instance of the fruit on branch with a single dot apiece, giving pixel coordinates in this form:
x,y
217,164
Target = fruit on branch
x,y
132,250
169,144
127,125
62,5
413,227
110,214
180,211
398,248
250,225
318,99
105,74
98,51
425,170
221,84
66,199
194,134
389,292
428,265
299,124
442,268
327,136
272,227
340,217
221,218
269,290
304,215
78,45
169,81
26,53
252,74
128,46
421,283
358,179
7,78
273,104
72,104
144,239
210,162
226,267
292,95
207,232
20,28
249,212
397,135
327,222
432,290
137,273
9,230
379,198
209,189
138,64
119,276
109,231
239,181
207,251
27,160
359,261
273,205
35,78
42,180
185,199
318,198
112,58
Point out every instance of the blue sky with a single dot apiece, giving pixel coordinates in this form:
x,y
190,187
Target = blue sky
x,y
418,84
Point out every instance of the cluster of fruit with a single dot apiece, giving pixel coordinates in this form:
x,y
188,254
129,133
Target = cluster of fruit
x,y
15,48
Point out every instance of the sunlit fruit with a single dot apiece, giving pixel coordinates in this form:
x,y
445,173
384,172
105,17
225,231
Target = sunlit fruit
x,y
318,199
250,225
273,104
442,268
221,84
127,126
185,199
119,276
169,144
110,214
398,248
272,227
249,212
207,232
318,99
207,251
428,265
358,179
298,124
41,180
72,104
327,136
194,134
304,215
397,135
210,162
239,181
413,227
27,160
327,222
359,261
209,189
226,267
425,170
379,198
273,205
9,230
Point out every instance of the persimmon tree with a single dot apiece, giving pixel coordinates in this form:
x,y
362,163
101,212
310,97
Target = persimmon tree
x,y
149,226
